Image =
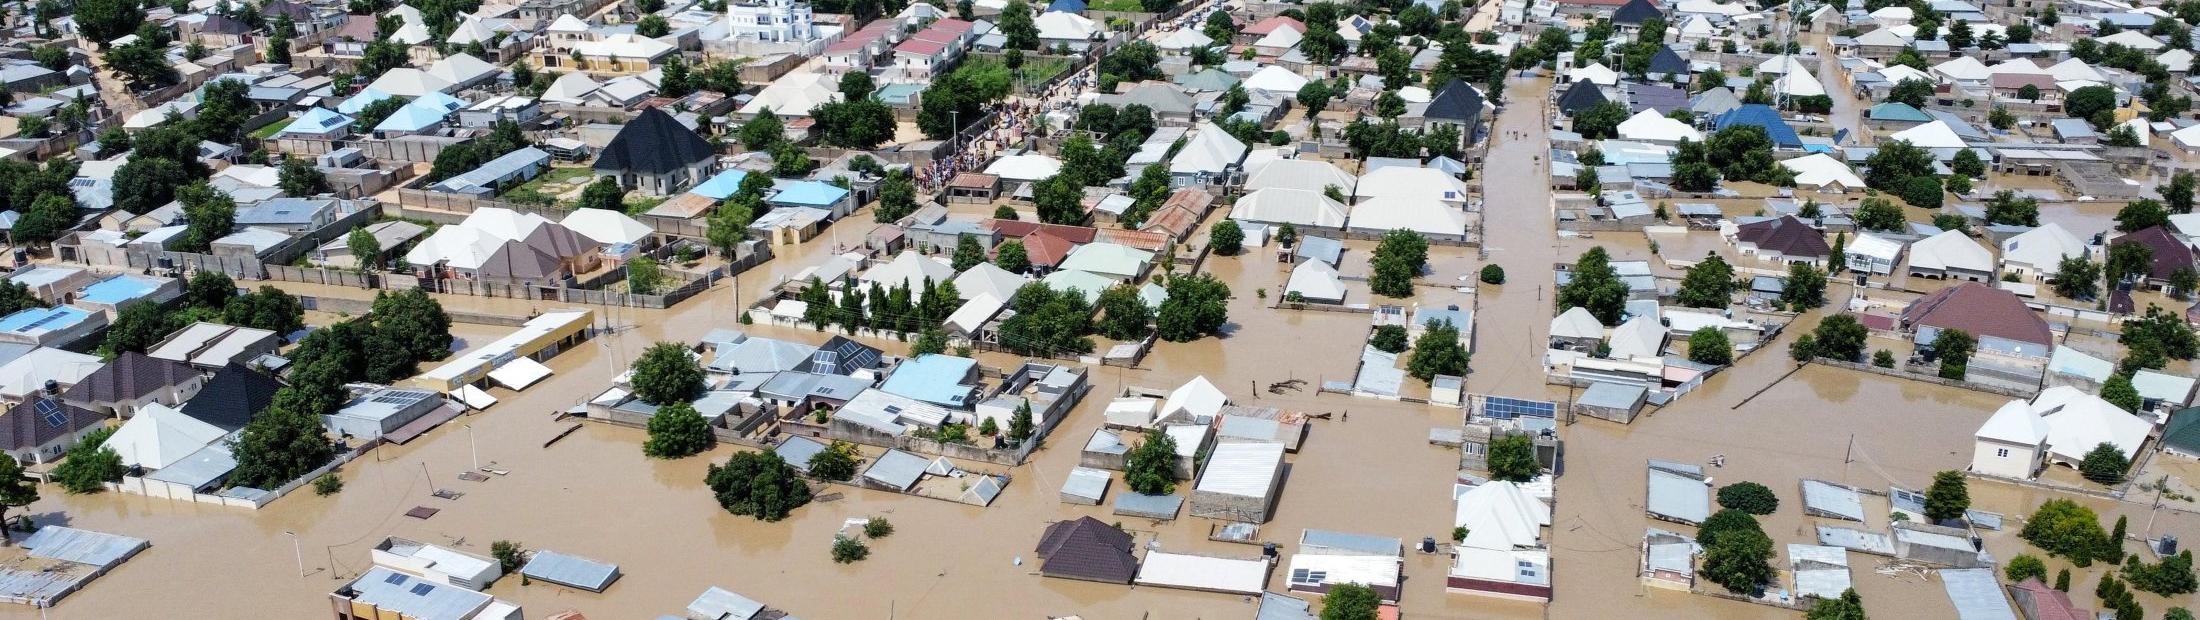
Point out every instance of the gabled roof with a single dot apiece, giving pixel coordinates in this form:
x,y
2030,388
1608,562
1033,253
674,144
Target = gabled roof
x,y
1087,549
2170,252
40,419
1979,310
1783,136
1933,135
157,436
1666,61
1209,151
2042,248
233,397
1577,322
653,143
1898,111
132,375
1635,12
1456,101
1951,250
1787,235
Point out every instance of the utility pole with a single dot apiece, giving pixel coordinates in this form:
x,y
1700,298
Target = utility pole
x,y
297,550
470,445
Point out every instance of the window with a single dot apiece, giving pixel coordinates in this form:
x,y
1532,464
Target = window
x,y
2001,452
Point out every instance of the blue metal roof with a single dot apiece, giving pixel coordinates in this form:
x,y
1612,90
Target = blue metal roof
x,y
1066,6
360,101
1764,116
810,194
497,170
118,289
419,115
316,121
571,571
721,186
933,378
42,319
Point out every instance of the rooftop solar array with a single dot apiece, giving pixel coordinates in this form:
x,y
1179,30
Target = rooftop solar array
x,y
1502,408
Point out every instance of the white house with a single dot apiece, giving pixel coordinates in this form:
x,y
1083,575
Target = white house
x,y
2060,425
2012,444
1951,255
1873,254
1503,554
2038,253
1823,172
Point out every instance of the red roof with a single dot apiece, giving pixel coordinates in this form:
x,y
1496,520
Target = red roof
x,y
1015,229
1265,26
2019,80
1979,310
2170,253
1046,250
2047,603
920,47
954,26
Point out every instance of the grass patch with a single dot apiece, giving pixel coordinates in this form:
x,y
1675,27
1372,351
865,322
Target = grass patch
x,y
640,205
264,133
544,189
1127,6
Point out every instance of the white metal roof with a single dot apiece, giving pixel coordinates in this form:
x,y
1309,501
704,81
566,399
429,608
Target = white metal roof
x,y
2042,248
1651,126
1198,398
1498,515
1951,250
1199,572
1933,135
1244,469
157,436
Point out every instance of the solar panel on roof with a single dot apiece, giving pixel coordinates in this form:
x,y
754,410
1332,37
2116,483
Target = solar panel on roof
x,y
422,589
393,579
51,413
1503,408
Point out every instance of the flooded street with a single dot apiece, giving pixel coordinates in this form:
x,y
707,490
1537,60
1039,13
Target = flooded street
x,y
593,494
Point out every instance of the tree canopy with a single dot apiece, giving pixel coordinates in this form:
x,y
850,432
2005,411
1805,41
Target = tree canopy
x,y
757,484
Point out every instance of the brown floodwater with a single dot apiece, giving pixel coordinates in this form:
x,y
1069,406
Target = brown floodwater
x,y
594,494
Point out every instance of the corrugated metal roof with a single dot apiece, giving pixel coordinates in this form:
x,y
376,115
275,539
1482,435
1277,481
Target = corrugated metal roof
x,y
1247,469
1150,506
69,544
570,570
1086,482
897,469
1832,500
1334,541
1678,497
1976,594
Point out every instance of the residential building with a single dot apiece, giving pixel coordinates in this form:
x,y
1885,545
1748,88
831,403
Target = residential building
x,y
132,381
655,154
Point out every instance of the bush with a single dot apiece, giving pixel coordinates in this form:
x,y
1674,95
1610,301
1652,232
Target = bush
x,y
757,484
2170,577
2025,566
1749,497
1883,359
837,462
509,554
1948,498
328,484
1227,238
1512,458
1389,338
1492,274
1150,468
677,431
2105,464
2065,529
878,527
848,550
90,465
1710,346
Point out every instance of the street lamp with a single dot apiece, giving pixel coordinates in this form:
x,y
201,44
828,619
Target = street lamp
x,y
470,445
297,550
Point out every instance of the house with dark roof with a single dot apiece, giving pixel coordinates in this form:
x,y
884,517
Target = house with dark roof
x,y
1458,105
134,380
1783,136
1666,63
1785,240
2169,251
2000,321
43,427
841,356
233,397
1087,549
1630,16
2181,436
657,155
1582,95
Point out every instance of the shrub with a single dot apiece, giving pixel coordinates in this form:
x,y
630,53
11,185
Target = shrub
x,y
2023,566
509,554
848,550
328,484
1749,497
2105,464
878,527
1389,338
1493,274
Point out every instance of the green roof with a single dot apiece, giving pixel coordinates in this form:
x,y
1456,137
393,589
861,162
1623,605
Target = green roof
x,y
2182,433
1898,111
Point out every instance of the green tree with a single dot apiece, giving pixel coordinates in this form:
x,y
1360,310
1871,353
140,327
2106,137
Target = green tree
x,y
2104,464
1492,274
48,217
2172,576
762,132
2118,391
1017,25
1804,286
1948,498
1150,468
1879,214
1600,121
1840,337
1060,200
1708,284
268,308
1595,286
136,329
1020,424
1314,96
757,484
2077,278
211,214
652,26
1226,238
280,444
667,373
1512,458
2092,103
836,462
299,177
644,276
1124,316
1739,561
931,341
603,193
2023,567
101,21
2063,528
1849,606
1351,601
729,225
364,248
1911,91
417,321
90,464
1438,352
1047,322
2177,195
1197,306
677,431
897,196
1010,256
147,183
1710,346
16,491
1954,347
968,253
2006,207
849,550
2141,214
1389,338
1749,497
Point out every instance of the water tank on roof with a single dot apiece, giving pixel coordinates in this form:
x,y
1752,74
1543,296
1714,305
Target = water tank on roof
x,y
2167,546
